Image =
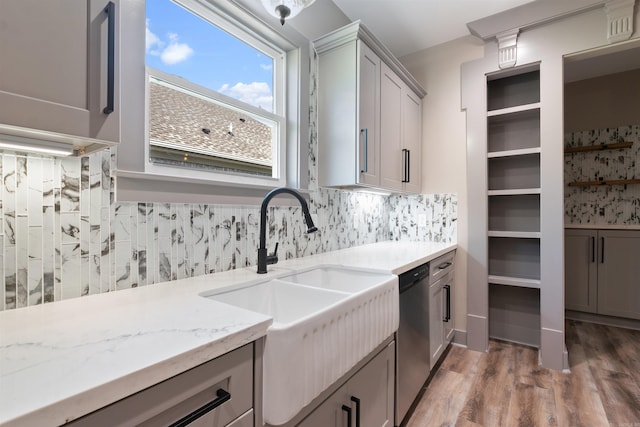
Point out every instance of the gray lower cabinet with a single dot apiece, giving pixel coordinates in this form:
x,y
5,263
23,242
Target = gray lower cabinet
x,y
365,399
226,383
441,316
581,270
602,272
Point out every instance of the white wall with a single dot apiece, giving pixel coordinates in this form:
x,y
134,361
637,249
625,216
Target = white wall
x,y
444,149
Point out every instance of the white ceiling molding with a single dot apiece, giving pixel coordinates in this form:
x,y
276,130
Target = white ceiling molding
x,y
619,20
528,15
507,48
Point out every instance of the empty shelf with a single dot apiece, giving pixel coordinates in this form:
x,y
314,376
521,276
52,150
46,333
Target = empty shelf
x,y
514,281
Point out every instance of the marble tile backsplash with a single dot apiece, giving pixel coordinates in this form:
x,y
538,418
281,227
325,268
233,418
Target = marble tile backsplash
x,y
604,204
63,236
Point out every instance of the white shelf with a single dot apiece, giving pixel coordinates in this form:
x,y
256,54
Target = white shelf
x,y
514,281
515,234
511,153
513,192
516,109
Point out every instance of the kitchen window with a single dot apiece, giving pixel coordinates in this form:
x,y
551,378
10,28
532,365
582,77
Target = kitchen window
x,y
214,95
215,103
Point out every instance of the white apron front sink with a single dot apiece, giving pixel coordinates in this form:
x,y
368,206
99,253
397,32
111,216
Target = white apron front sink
x,y
325,320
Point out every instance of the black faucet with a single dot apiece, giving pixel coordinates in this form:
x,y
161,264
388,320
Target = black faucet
x,y
263,258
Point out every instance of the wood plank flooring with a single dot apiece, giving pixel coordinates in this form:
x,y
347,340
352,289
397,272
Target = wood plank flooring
x,y
506,387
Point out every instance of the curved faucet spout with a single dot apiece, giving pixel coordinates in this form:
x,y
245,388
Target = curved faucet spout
x,y
263,258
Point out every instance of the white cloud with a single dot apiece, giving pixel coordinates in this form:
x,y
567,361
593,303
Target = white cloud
x,y
175,52
171,53
257,94
266,67
153,42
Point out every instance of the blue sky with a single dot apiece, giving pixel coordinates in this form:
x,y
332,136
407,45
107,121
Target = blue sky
x,y
182,44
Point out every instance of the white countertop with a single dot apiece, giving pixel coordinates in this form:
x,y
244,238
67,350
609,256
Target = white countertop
x,y
603,226
62,360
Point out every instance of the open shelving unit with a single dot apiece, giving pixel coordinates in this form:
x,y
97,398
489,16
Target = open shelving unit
x,y
600,147
513,192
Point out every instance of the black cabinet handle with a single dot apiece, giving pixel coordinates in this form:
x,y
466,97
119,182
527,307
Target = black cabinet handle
x,y
347,409
223,396
408,166
405,166
447,315
111,56
593,249
357,402
602,250
444,265
366,148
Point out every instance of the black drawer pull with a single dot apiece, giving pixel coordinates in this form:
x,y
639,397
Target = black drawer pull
x,y
223,396
111,56
444,265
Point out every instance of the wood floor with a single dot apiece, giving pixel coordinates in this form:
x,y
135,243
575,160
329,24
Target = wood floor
x,y
506,387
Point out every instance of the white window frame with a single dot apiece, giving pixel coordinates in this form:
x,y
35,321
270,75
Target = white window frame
x,y
139,179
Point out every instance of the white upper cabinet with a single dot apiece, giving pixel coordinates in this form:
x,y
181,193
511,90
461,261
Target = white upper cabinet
x,y
400,134
59,75
369,114
392,160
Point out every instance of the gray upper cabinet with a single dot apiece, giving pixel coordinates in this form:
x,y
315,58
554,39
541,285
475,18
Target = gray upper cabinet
x,y
369,114
59,75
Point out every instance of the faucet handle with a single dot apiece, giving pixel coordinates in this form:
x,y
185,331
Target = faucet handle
x,y
273,258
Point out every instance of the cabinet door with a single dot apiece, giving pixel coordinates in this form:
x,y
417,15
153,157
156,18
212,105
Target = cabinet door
x,y
53,74
391,157
369,116
436,325
619,273
412,139
580,270
372,388
331,413
449,315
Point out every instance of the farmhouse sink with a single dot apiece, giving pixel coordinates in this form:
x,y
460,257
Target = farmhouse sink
x,y
287,303
336,278
325,320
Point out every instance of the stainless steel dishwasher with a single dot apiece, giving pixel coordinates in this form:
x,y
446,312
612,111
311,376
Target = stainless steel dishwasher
x,y
412,359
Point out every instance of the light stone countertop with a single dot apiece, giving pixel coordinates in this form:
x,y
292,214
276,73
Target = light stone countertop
x,y
63,360
603,226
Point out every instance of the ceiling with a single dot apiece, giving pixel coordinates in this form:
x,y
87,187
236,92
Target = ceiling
x,y
408,26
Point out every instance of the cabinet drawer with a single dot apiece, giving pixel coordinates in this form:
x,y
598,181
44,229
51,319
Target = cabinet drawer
x,y
177,397
440,266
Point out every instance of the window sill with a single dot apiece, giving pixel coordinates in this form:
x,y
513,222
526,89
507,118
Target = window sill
x,y
154,188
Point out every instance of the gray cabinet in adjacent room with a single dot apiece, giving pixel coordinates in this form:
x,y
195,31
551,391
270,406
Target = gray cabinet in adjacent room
x,y
602,272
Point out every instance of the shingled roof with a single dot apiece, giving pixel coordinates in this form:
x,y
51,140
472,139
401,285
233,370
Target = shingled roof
x,y
182,120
